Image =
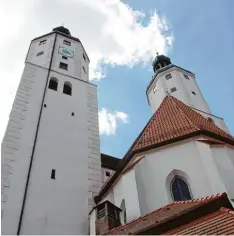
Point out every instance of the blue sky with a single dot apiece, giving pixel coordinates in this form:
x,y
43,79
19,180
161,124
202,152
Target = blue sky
x,y
203,43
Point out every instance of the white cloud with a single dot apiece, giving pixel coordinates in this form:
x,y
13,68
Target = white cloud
x,y
108,121
111,32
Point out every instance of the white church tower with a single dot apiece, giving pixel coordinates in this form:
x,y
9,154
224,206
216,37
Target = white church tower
x,y
51,167
181,84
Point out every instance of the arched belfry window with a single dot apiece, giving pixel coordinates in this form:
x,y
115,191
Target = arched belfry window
x,y
180,189
67,88
53,84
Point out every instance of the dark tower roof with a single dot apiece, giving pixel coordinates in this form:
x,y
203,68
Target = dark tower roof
x,y
160,61
62,30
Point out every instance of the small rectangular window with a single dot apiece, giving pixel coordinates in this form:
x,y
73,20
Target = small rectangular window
x,y
107,173
63,66
73,114
84,70
155,89
52,176
67,42
186,76
173,89
63,57
168,76
193,92
40,53
84,57
42,42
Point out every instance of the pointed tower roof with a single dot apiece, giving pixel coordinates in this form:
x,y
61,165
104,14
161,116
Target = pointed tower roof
x,y
174,119
172,122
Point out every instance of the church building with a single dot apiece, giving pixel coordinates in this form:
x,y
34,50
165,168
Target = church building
x,y
176,178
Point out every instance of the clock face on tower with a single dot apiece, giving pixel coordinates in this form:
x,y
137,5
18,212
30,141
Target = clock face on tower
x,y
66,52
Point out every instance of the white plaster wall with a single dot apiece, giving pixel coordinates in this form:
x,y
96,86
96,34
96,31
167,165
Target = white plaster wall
x,y
18,142
215,179
141,179
230,154
153,170
224,157
75,64
69,144
109,197
92,222
62,145
207,170
126,189
104,177
130,196
183,92
44,59
155,97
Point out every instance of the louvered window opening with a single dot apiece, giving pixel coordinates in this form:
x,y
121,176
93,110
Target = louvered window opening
x,y
107,210
101,212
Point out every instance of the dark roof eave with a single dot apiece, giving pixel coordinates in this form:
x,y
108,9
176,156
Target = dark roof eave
x,y
109,162
130,154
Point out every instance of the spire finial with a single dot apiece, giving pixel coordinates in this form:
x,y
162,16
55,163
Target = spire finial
x,y
156,52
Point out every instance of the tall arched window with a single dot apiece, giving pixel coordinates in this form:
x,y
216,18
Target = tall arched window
x,y
123,214
67,88
180,189
53,84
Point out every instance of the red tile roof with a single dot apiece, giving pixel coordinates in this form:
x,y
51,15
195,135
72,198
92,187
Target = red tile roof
x,y
220,222
163,214
174,119
172,122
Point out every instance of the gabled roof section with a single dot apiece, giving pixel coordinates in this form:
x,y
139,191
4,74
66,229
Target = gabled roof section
x,y
174,119
174,215
172,122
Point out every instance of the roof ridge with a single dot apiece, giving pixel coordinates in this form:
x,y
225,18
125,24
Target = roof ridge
x,y
197,221
226,210
141,217
167,207
174,99
202,199
167,98
201,127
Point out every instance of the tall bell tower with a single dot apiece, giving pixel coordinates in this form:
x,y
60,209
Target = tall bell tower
x,y
170,79
51,166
